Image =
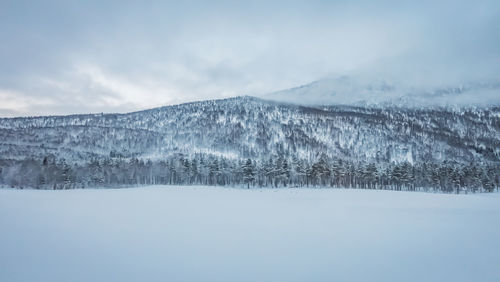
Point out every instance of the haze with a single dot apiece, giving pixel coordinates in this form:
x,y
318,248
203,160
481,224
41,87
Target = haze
x,y
64,57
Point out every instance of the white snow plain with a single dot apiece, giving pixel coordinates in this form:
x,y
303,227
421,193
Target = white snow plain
x,y
167,233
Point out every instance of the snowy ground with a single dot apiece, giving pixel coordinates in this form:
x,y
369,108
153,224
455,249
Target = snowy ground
x,y
227,234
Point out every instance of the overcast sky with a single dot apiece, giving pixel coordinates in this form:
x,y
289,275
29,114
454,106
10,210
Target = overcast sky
x,y
62,57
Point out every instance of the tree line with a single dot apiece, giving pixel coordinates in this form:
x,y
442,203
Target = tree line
x,y
275,172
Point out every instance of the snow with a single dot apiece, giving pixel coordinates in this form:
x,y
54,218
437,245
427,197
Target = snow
x,y
167,233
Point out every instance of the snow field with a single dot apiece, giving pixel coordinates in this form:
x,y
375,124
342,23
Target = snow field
x,y
167,233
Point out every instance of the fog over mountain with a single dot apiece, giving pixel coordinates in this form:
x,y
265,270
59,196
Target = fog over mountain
x,y
349,90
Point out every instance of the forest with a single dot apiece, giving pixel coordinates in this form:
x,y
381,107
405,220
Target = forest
x,y
275,172
250,142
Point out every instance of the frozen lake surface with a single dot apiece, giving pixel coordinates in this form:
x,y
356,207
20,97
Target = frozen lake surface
x,y
224,234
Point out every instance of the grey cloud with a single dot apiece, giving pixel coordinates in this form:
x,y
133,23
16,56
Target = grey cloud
x,y
124,55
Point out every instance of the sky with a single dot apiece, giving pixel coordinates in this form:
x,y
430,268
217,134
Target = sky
x,y
65,57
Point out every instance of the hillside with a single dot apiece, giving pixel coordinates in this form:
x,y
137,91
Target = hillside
x,y
249,127
186,143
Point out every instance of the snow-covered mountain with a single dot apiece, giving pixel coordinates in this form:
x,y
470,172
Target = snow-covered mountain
x,y
360,91
248,127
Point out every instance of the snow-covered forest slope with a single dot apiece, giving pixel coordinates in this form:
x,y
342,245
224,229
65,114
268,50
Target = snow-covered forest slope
x,y
247,127
236,130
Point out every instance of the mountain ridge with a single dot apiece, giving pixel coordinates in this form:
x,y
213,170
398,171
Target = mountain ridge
x,y
252,127
248,140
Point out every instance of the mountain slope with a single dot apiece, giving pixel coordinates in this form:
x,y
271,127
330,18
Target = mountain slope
x,y
245,127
